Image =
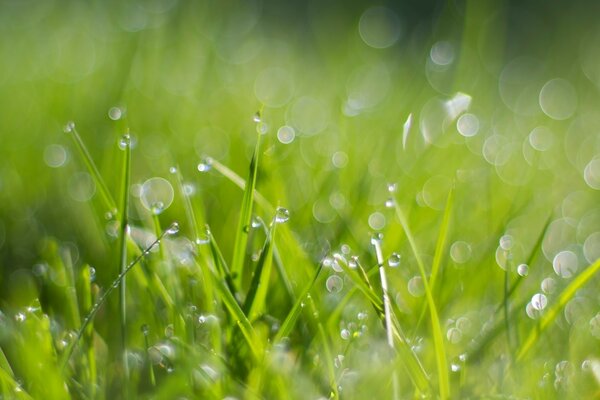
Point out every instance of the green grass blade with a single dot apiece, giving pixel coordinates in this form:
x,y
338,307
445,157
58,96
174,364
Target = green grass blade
x,y
86,302
90,316
294,314
438,337
442,240
566,295
123,220
257,292
220,262
109,202
241,237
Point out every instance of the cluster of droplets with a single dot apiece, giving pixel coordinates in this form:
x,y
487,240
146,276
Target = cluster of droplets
x,y
205,164
356,328
456,329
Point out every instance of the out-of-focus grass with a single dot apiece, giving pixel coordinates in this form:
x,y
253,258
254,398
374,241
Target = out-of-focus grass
x,y
491,103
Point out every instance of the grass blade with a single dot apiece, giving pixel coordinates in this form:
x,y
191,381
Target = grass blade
x,y
566,295
438,338
91,167
241,238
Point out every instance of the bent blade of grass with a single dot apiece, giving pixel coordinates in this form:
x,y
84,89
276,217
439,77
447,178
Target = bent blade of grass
x,y
241,237
109,202
566,295
438,338
92,313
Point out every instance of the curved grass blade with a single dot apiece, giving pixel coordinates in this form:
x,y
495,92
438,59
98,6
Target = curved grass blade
x,y
438,338
241,237
93,170
566,295
88,319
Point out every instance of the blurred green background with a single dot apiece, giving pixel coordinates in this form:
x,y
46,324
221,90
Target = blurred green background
x,y
499,99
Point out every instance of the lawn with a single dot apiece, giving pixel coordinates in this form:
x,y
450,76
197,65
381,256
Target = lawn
x,y
304,200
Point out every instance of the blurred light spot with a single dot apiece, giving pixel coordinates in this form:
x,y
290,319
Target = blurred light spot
x,y
368,86
468,125
379,27
81,187
558,99
337,200
457,105
559,235
157,194
339,159
286,134
519,85
565,264
377,221
308,115
460,252
115,113
323,212
492,147
55,156
541,138
435,191
442,53
274,87
591,247
591,174
416,287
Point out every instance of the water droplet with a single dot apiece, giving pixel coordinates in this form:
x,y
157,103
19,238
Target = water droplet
x,y
464,324
156,195
389,203
173,170
69,127
539,301
345,249
394,260
256,117
565,264
334,284
362,316
282,215
548,285
377,221
338,259
392,187
338,361
145,329
454,367
173,229
353,262
55,156
115,113
92,274
531,311
257,222
201,319
416,287
454,335
460,252
523,269
169,330
124,141
286,134
376,238
506,242
205,164
345,334
20,317
462,357
586,365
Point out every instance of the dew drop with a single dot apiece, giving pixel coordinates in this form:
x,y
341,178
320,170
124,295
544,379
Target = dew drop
x,y
156,195
262,128
145,329
256,117
286,134
539,301
345,334
392,187
69,127
92,274
455,367
173,229
531,311
506,242
394,260
523,269
205,164
338,361
20,317
282,215
376,238
334,284
353,262
565,264
124,141
548,285
173,170
389,203
460,252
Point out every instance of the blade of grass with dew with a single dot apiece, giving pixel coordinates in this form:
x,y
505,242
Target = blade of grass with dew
x,y
241,237
438,338
567,294
85,298
296,310
92,313
93,170
123,233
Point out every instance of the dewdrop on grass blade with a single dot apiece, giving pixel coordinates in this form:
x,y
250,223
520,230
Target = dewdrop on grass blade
x,y
205,164
157,195
394,260
125,141
282,215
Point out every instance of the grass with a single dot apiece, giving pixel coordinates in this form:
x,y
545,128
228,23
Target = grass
x,y
290,266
